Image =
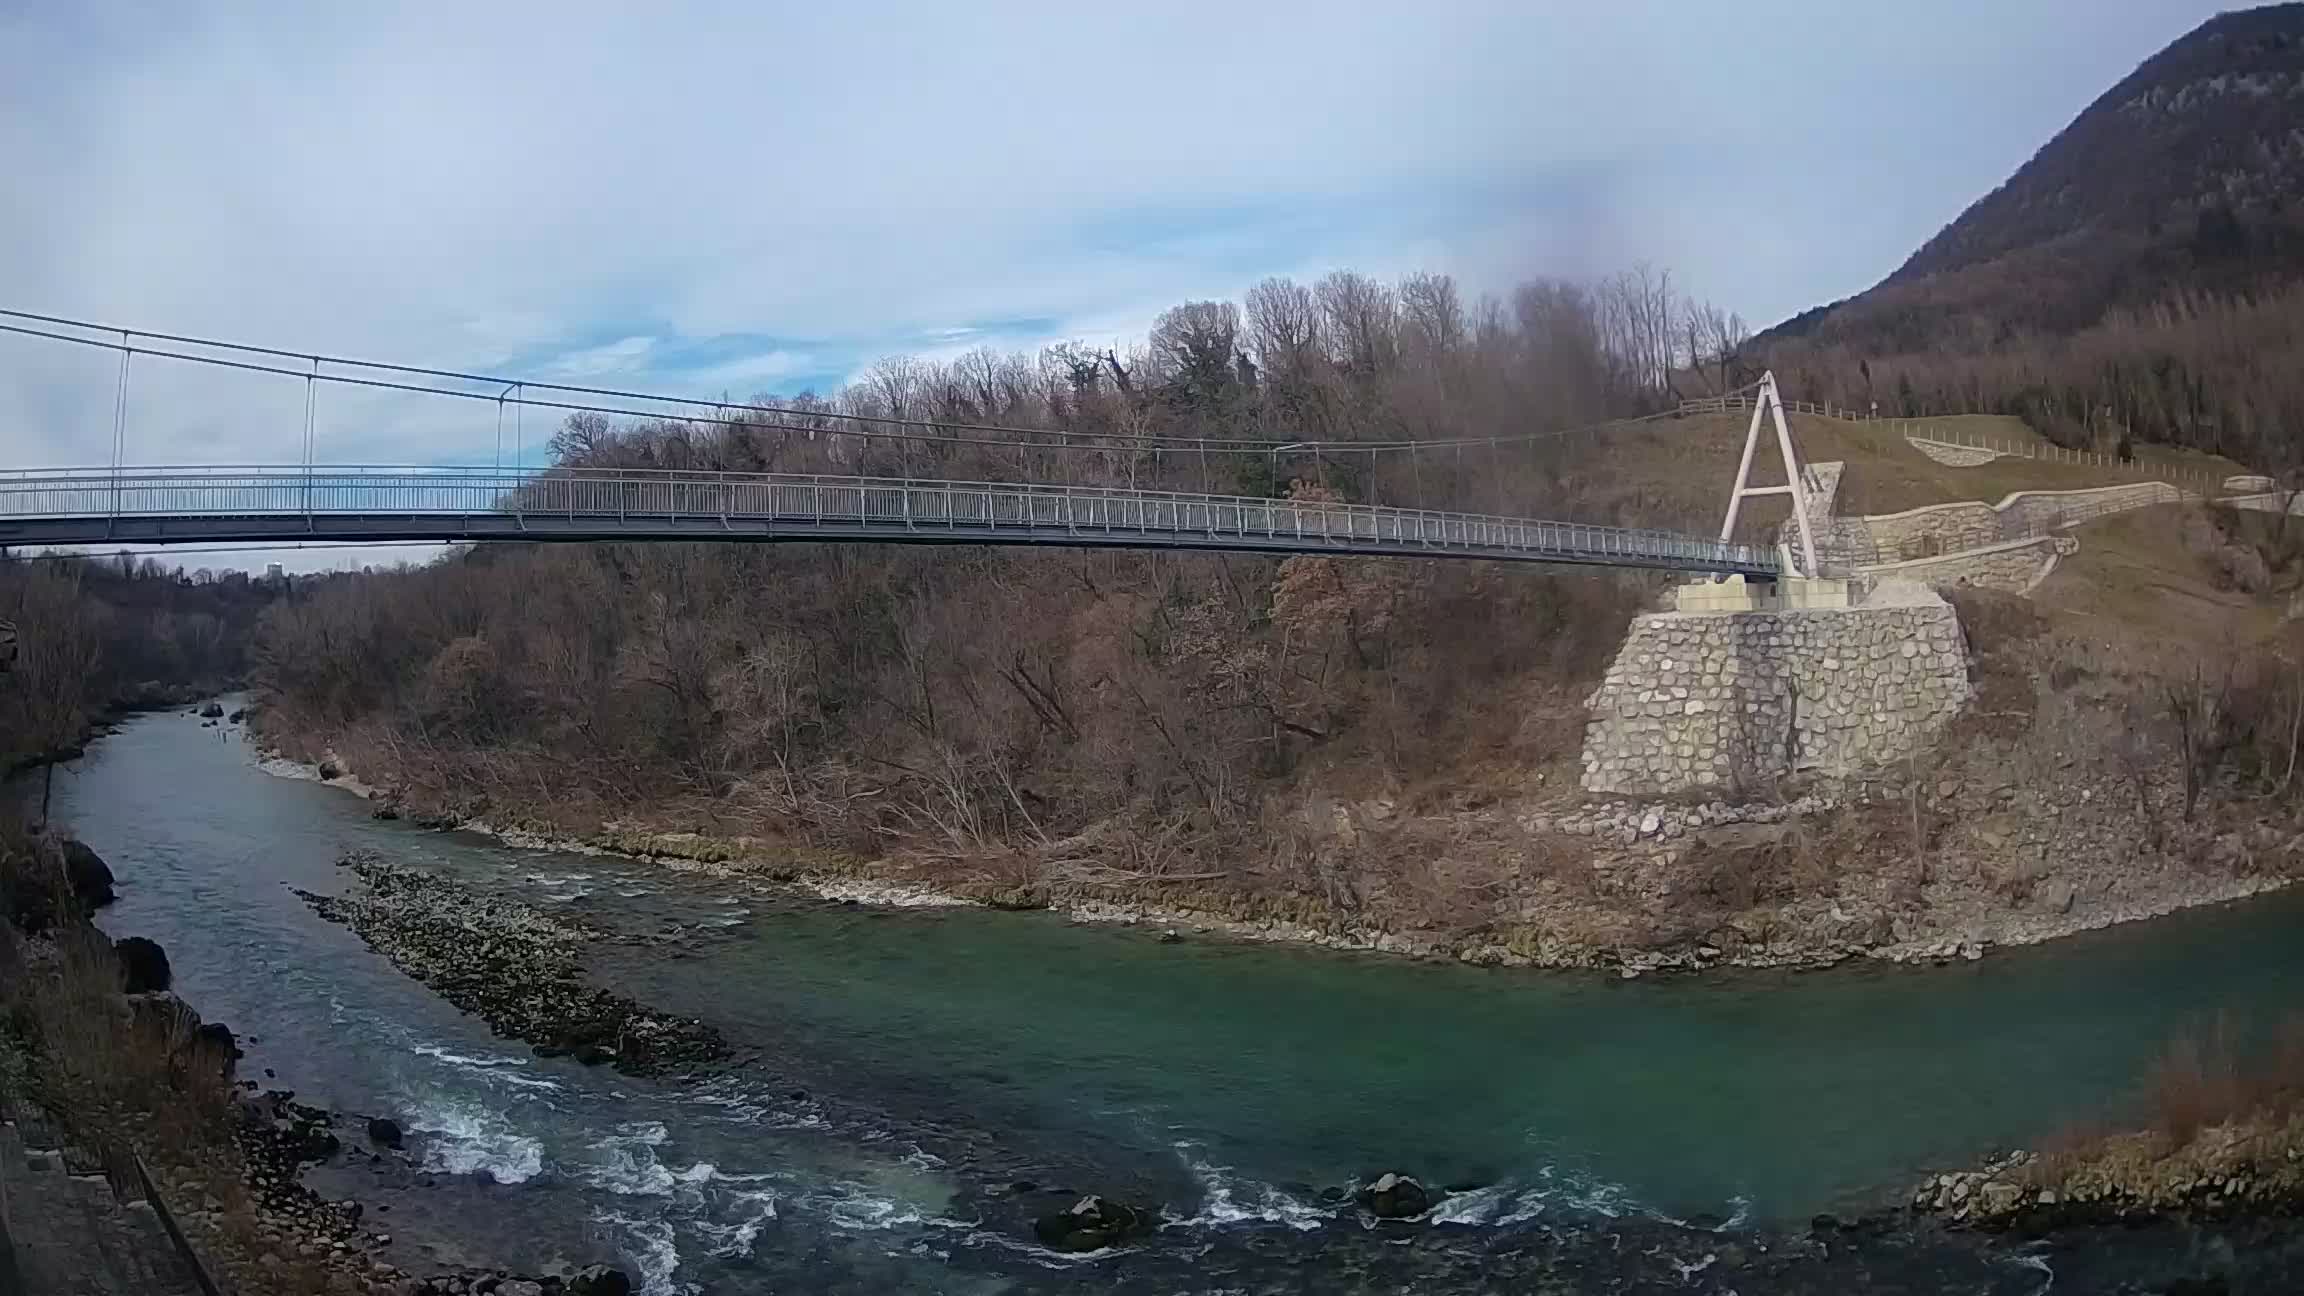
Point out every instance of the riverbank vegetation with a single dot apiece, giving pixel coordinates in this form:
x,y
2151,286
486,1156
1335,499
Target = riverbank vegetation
x,y
1379,747
2218,1130
102,635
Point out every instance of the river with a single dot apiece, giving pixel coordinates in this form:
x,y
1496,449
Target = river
x,y
916,1083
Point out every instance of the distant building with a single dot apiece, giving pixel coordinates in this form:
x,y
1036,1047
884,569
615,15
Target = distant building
x,y
274,573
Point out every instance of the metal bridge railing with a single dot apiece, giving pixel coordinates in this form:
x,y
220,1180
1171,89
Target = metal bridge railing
x,y
631,499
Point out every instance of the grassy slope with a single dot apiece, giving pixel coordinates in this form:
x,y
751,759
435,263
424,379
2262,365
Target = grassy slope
x,y
2132,580
1675,473
2133,584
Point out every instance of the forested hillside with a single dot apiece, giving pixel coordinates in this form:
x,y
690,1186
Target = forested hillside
x,y
95,634
2137,278
869,699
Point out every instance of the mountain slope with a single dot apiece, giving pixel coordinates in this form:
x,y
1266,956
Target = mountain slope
x,y
2183,176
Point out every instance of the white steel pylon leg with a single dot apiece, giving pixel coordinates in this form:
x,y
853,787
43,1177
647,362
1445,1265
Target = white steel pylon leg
x,y
1764,404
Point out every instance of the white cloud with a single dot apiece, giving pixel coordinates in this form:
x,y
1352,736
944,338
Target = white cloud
x,y
620,357
748,375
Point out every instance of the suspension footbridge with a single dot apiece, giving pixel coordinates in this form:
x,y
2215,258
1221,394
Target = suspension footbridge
x,y
124,503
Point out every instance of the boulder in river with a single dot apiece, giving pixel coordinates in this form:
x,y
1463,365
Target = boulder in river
x,y
1090,1224
330,770
212,711
143,965
1394,1196
237,716
598,1280
315,1142
87,874
384,1133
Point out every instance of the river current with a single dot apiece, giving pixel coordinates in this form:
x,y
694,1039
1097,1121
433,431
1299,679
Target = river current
x,y
915,1084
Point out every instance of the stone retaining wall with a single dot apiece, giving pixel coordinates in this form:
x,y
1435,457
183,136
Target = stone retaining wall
x,y
2015,565
1947,528
1724,700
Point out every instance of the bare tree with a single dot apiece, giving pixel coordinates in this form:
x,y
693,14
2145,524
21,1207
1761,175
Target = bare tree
x,y
1360,322
57,650
1283,328
1193,344
1432,326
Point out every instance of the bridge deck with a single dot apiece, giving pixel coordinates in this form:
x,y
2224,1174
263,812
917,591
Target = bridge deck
x,y
178,505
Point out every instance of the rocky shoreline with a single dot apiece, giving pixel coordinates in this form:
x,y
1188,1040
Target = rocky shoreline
x,y
2244,1169
226,1160
514,967
1626,837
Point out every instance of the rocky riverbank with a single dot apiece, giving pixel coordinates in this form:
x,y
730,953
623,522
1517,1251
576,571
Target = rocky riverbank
x,y
2250,1167
100,1059
513,966
1922,867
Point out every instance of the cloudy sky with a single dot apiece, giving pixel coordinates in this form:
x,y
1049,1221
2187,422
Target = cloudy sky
x,y
744,198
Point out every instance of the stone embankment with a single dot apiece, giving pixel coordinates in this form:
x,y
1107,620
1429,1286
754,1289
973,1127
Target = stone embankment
x,y
513,966
1702,701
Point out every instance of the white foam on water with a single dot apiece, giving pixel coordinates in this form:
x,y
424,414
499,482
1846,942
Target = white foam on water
x,y
875,1208
1227,1197
470,1139
1041,1255
628,1164
2031,1258
729,1241
633,893
649,1245
751,1107
1496,1204
625,1162
1693,1268
494,1070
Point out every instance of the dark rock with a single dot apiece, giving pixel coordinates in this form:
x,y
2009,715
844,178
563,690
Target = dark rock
x,y
143,965
547,1050
212,711
594,1054
87,874
1171,937
598,1280
386,810
1023,1186
214,1043
316,1143
1090,1224
329,770
384,1133
237,716
1394,1196
798,1095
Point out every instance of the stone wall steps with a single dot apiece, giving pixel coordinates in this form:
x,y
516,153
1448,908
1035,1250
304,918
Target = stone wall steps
x,y
69,1233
